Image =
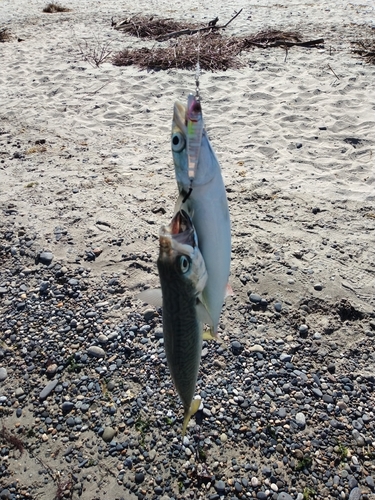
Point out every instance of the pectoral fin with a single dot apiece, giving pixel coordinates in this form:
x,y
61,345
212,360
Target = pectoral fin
x,y
151,296
203,314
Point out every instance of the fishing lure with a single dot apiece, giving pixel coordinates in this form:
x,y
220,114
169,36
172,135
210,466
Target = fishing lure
x,y
194,122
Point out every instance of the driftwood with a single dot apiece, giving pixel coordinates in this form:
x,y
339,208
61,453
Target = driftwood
x,y
216,53
150,27
366,50
211,27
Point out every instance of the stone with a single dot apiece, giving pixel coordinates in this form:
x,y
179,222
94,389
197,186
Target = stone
x,y
46,258
96,352
48,389
108,434
3,373
355,494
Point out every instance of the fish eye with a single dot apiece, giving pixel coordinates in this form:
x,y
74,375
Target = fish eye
x,y
185,263
178,142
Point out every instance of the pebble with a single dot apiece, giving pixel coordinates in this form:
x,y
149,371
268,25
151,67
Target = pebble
x,y
220,487
303,330
108,434
96,352
284,496
278,306
48,389
255,298
300,419
355,494
139,477
46,258
3,374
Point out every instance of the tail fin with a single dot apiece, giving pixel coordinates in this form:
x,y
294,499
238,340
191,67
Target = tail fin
x,y
195,404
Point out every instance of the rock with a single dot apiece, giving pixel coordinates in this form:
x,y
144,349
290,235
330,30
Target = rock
x,y
48,389
331,368
284,496
278,306
255,298
355,494
256,348
139,477
45,258
3,373
300,419
285,358
51,370
220,487
318,287
236,347
96,352
303,331
108,434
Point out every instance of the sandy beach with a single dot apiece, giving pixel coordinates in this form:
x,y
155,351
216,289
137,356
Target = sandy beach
x,y
87,406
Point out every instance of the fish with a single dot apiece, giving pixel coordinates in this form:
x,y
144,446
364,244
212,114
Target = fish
x,y
183,276
202,195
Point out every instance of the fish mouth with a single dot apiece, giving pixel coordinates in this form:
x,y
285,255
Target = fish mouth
x,y
180,232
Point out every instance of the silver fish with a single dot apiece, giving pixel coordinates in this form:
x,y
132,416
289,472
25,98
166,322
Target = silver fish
x,y
183,276
206,202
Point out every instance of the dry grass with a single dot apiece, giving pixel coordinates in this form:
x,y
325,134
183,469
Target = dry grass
x,y
216,53
95,53
4,35
12,440
151,27
52,8
366,50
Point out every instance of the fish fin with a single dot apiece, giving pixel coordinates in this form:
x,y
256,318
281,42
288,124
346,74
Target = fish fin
x,y
208,335
151,296
203,314
194,407
228,291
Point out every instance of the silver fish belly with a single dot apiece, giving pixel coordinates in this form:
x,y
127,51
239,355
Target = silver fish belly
x,y
183,276
207,205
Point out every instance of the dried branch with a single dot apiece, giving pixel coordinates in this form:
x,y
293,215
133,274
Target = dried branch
x,y
211,27
366,50
216,53
96,53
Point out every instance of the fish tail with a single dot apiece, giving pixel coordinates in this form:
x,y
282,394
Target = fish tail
x,y
189,412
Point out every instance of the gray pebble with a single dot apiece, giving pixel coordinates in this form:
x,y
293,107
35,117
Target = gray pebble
x,y
355,494
48,389
139,477
220,487
46,258
284,496
278,306
95,352
255,298
300,419
3,373
285,358
108,434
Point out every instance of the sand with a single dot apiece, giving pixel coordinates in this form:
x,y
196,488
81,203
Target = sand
x,y
294,134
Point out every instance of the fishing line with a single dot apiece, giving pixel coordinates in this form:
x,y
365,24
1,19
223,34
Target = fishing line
x,y
188,193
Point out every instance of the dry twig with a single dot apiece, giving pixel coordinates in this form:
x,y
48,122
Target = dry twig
x,y
216,53
96,53
366,50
